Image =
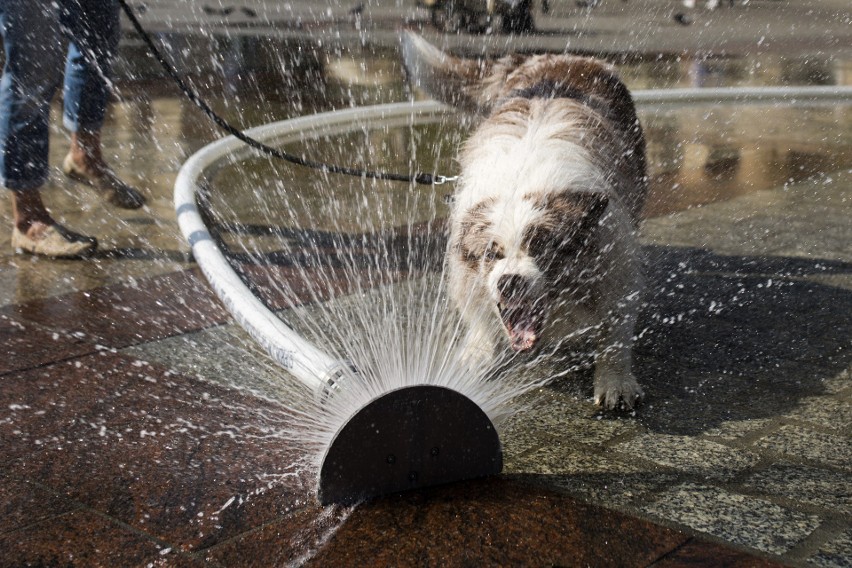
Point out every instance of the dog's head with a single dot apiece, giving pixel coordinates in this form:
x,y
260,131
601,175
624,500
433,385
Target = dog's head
x,y
522,252
557,144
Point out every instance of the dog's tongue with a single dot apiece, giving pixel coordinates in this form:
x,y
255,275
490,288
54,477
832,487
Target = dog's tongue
x,y
522,339
522,334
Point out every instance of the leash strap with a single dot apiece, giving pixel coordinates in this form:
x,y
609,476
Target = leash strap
x,y
418,177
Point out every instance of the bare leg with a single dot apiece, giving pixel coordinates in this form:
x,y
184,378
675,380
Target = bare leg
x,y
29,212
86,152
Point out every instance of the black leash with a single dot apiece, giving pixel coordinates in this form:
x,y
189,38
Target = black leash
x,y
421,178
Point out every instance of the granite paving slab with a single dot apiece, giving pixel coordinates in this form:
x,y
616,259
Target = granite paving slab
x,y
28,344
702,554
78,538
493,522
126,314
181,460
735,518
804,443
836,553
828,489
24,503
702,458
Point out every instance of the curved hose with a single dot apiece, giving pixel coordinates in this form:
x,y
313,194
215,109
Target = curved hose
x,y
315,369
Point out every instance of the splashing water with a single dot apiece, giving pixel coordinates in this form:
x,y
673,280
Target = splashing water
x,y
356,267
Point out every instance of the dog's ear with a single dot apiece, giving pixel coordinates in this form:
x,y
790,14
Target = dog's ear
x,y
449,79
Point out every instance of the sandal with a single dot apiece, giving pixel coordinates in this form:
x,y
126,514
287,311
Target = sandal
x,y
117,192
55,241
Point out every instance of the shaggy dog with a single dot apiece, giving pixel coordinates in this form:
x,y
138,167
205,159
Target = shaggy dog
x,y
542,230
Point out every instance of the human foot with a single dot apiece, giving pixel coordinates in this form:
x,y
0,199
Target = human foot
x,y
106,181
54,240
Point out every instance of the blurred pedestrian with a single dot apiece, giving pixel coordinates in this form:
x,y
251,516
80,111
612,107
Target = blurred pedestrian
x,y
35,35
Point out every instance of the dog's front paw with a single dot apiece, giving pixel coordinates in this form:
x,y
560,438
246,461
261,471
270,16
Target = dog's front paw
x,y
617,392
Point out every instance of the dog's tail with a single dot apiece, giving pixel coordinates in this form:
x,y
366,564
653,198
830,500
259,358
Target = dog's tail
x,y
449,79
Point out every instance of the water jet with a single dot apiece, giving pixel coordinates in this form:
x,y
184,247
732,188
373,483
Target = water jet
x,y
411,437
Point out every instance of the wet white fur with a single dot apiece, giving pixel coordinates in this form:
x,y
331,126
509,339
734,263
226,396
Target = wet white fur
x,y
506,165
551,149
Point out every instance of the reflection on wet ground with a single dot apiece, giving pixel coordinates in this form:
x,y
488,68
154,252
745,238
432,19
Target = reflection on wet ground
x,y
705,154
744,351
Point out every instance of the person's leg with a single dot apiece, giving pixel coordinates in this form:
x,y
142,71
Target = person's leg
x,y
33,47
29,83
94,29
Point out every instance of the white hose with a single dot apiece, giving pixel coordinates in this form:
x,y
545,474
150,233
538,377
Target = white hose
x,y
745,95
315,369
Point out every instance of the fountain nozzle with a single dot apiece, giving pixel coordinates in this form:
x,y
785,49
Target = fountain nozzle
x,y
409,438
331,383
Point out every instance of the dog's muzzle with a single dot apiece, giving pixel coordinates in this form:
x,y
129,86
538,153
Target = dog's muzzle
x,y
519,311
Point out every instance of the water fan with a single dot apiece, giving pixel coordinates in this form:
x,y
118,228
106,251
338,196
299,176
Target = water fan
x,y
418,435
411,437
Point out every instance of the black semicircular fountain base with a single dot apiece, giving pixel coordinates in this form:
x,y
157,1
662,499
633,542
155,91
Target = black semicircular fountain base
x,y
406,439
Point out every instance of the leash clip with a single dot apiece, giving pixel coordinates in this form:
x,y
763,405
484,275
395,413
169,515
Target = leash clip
x,y
441,180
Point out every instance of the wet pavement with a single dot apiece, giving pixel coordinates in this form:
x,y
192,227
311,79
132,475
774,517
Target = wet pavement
x,y
126,443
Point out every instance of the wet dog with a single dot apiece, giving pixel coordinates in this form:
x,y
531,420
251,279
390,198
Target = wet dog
x,y
543,224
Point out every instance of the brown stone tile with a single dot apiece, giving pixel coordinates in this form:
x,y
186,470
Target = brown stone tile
x,y
702,554
23,504
80,538
186,461
121,315
27,345
286,542
493,522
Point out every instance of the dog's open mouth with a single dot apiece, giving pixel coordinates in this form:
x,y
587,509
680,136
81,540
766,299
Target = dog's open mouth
x,y
523,324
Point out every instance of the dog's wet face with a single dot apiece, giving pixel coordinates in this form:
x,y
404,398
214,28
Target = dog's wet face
x,y
521,254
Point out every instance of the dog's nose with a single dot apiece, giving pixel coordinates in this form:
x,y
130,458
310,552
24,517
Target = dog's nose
x,y
512,286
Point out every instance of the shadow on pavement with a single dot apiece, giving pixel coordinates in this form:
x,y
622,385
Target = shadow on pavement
x,y
737,337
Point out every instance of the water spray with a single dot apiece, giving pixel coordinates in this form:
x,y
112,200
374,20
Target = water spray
x,y
410,437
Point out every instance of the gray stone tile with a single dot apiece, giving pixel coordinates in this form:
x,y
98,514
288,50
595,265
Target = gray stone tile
x,y
703,458
224,355
733,430
839,383
824,488
749,224
836,553
825,411
612,489
546,415
803,443
516,441
739,519
558,459
576,421
596,477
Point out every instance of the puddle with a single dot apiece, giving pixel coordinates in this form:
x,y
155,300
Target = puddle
x,y
698,155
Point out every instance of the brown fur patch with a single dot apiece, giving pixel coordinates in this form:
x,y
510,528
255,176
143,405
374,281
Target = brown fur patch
x,y
473,240
565,230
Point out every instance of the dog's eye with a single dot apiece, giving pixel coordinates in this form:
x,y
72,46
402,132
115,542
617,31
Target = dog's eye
x,y
493,253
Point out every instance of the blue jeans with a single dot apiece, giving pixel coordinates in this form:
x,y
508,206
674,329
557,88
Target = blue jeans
x,y
35,33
